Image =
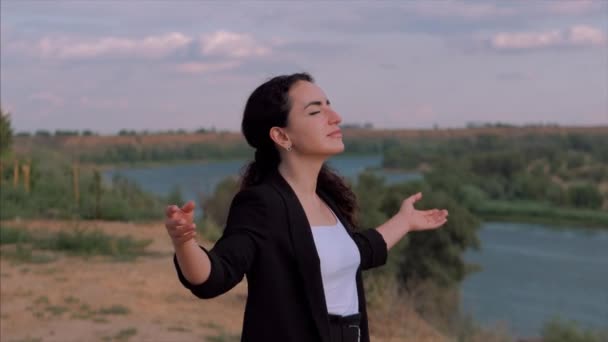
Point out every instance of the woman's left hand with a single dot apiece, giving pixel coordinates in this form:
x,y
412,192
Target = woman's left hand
x,y
421,219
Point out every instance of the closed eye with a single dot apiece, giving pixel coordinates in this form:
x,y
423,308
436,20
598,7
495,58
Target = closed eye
x,y
317,103
313,113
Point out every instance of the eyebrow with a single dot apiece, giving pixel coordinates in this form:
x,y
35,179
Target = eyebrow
x,y
314,103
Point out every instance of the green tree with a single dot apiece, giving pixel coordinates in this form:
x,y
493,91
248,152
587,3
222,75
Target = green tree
x,y
370,193
216,207
436,255
6,133
175,196
529,186
585,195
505,164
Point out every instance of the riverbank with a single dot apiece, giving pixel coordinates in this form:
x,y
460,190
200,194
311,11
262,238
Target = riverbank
x,y
180,162
541,213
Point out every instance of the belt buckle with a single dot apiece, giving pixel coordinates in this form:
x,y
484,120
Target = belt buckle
x,y
358,331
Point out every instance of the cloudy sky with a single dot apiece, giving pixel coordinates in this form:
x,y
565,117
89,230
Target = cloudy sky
x,y
157,65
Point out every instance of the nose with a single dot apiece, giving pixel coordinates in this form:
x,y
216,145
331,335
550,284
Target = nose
x,y
334,117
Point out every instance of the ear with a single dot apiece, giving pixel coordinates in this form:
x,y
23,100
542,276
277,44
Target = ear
x,y
279,136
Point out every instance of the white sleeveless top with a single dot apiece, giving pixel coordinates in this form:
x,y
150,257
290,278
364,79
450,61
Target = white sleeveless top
x,y
340,260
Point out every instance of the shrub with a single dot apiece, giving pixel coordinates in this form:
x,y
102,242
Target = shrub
x,y
558,330
585,195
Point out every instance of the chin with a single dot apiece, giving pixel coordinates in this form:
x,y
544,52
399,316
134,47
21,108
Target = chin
x,y
336,150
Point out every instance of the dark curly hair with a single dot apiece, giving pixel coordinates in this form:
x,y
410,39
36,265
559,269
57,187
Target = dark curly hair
x,y
269,106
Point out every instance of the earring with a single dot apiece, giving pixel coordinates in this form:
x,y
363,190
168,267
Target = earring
x,y
289,148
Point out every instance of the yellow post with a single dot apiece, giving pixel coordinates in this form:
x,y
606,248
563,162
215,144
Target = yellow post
x,y
75,178
26,176
16,173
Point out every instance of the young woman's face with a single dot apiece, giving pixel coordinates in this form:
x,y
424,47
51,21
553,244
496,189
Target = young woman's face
x,y
312,124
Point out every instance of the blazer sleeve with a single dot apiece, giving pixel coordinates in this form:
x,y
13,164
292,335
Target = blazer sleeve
x,y
372,247
233,254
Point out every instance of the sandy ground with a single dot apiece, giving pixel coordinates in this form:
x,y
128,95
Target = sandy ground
x,y
97,299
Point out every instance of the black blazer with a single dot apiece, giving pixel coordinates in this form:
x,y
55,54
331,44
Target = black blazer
x,y
268,238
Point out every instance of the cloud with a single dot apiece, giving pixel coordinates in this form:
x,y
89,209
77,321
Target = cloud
x,y
148,47
47,98
218,45
199,67
576,36
231,44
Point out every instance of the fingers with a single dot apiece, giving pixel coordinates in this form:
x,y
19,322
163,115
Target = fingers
x,y
179,223
179,227
436,212
188,207
436,217
170,210
442,212
414,198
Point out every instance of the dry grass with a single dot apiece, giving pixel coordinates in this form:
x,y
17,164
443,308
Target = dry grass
x,y
392,318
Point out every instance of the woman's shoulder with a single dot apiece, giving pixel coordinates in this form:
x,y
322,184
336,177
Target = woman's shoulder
x,y
262,193
255,206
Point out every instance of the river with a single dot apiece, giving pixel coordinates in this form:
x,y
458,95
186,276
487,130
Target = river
x,y
530,273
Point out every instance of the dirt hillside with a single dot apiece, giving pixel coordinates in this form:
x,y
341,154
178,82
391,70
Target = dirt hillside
x,y
97,299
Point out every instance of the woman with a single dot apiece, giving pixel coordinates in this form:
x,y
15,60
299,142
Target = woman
x,y
291,227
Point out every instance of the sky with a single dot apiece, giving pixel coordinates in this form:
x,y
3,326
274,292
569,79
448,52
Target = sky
x,y
165,65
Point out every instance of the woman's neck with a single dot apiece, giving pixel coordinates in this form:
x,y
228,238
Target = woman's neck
x,y
302,176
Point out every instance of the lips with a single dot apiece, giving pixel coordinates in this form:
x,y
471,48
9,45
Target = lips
x,y
335,133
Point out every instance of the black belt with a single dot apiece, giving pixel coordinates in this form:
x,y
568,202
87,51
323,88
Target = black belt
x,y
350,319
345,328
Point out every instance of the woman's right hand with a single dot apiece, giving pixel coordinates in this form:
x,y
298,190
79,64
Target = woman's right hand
x,y
180,224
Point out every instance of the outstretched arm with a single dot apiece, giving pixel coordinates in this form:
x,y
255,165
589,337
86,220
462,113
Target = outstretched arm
x,y
209,273
193,262
410,219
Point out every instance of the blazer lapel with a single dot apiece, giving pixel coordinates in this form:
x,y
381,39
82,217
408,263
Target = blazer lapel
x,y
306,254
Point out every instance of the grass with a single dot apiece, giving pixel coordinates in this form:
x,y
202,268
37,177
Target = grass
x,y
221,335
224,337
79,242
71,300
114,310
180,329
41,300
25,254
210,230
122,335
559,330
42,308
424,313
537,212
13,235
29,339
56,310
125,334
